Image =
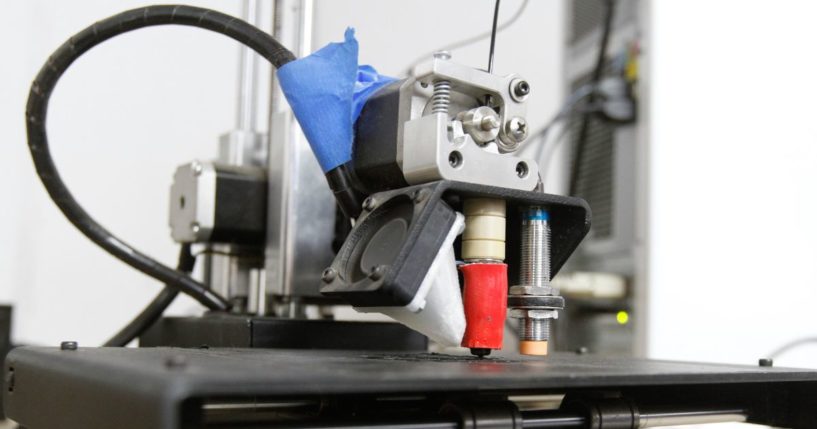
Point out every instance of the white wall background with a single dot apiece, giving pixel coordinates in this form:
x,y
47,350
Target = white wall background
x,y
734,172
120,120
126,114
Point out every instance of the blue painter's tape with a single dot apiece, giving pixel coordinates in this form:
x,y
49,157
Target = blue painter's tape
x,y
327,91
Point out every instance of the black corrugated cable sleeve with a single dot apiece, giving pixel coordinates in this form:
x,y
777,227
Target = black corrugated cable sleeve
x,y
156,308
348,198
37,109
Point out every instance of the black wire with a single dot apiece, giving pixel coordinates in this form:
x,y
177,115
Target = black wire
x,y
792,345
58,63
595,78
409,70
154,310
493,39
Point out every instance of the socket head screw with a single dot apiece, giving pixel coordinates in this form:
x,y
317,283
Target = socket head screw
x,y
521,89
69,345
378,272
329,275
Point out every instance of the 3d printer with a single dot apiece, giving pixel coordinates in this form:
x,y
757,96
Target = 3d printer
x,y
429,217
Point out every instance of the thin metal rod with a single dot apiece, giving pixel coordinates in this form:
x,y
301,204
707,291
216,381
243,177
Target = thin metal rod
x,y
695,417
409,69
419,424
551,419
647,418
493,39
248,73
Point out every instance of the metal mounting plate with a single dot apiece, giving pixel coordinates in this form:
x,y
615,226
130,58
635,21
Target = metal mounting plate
x,y
138,388
429,155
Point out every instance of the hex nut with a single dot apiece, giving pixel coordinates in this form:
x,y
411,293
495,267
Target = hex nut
x,y
520,313
531,290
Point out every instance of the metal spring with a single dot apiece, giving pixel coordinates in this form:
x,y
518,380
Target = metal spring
x,y
534,329
535,257
442,96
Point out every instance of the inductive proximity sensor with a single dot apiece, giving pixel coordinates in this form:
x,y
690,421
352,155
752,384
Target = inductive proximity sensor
x,y
534,302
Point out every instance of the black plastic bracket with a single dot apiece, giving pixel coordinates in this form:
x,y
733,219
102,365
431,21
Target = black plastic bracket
x,y
386,256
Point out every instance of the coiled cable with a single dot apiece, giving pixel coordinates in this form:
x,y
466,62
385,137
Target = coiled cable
x,y
37,109
154,310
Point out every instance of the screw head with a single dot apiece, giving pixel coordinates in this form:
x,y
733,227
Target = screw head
x,y
418,196
9,379
517,128
455,159
369,204
582,350
195,227
521,89
378,272
197,168
329,275
176,362
442,55
522,170
69,345
765,362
